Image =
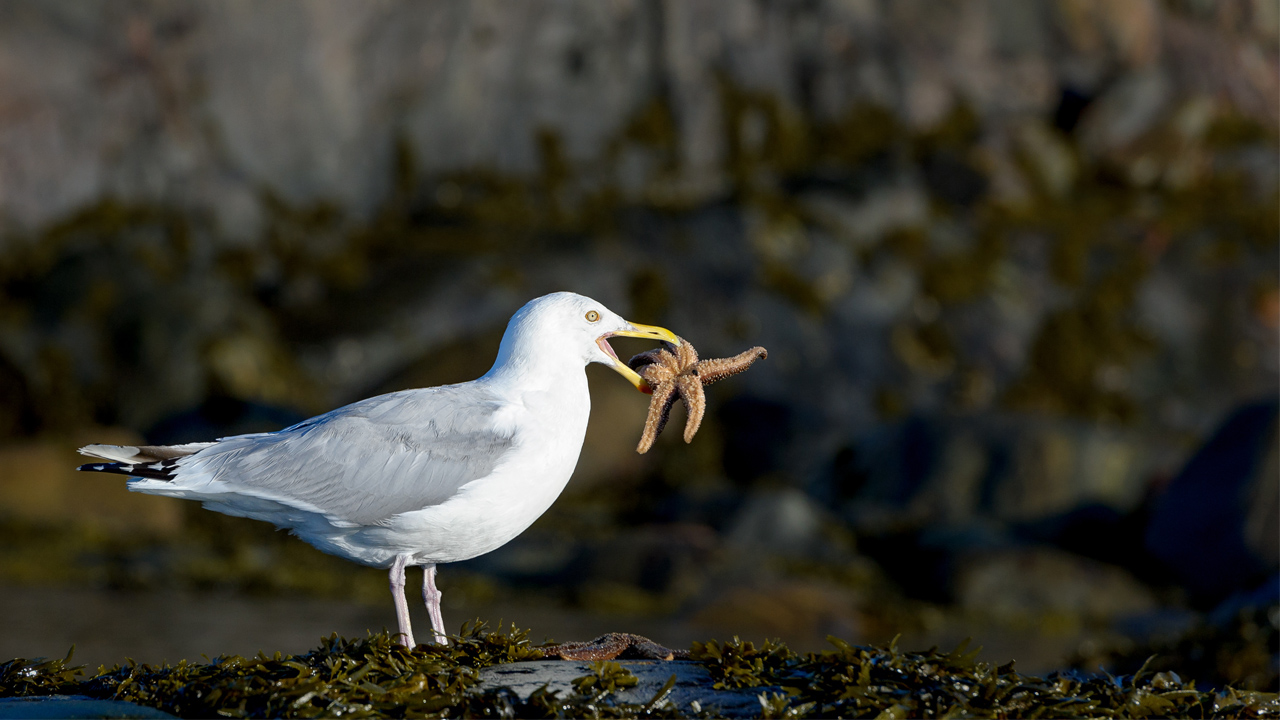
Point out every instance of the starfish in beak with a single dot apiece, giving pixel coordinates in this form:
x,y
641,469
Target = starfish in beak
x,y
650,332
675,373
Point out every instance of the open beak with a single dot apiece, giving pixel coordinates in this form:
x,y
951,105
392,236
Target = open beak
x,y
651,332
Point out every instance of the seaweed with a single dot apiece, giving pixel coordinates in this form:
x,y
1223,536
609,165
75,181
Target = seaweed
x,y
737,664
859,681
376,677
21,677
368,677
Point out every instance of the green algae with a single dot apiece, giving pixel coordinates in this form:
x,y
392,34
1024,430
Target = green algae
x,y
21,677
737,664
369,677
605,675
375,677
857,681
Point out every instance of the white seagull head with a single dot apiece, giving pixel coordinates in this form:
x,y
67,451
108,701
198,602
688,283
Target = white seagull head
x,y
570,330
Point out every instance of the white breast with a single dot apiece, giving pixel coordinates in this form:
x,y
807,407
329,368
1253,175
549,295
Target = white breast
x,y
489,512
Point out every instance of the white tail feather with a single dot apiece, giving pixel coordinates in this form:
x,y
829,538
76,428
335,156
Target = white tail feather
x,y
141,454
114,453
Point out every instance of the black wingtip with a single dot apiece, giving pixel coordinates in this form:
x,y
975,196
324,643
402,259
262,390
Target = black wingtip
x,y
163,470
98,467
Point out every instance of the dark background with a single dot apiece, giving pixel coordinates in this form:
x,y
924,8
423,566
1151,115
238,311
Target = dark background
x,y
1015,264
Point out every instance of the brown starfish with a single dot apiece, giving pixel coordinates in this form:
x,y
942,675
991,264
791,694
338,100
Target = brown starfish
x,y
610,646
675,372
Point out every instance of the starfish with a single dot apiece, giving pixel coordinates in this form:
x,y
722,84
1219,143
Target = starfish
x,y
675,372
610,646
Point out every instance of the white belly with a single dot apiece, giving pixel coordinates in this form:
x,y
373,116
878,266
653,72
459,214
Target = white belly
x,y
486,513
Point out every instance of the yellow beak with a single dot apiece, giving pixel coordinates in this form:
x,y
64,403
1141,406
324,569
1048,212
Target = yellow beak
x,y
651,332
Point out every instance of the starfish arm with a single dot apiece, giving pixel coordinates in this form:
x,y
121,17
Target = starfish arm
x,y
610,646
675,372
648,357
650,650
655,366
669,402
689,388
664,396
685,355
720,368
660,373
605,647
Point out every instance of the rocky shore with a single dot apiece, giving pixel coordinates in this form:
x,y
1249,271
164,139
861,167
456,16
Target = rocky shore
x,y
500,674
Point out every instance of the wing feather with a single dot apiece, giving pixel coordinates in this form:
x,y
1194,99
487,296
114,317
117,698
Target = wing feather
x,y
365,462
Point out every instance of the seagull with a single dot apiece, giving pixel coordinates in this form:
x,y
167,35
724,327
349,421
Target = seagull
x,y
416,477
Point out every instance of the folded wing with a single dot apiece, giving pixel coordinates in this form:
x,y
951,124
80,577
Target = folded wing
x,y
358,465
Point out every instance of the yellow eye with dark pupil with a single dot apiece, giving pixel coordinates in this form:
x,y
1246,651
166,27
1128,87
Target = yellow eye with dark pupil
x,y
592,316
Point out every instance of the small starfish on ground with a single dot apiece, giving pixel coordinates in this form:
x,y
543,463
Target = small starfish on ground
x,y
675,372
610,646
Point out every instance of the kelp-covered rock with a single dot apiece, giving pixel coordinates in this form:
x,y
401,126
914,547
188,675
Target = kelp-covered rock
x,y
375,677
852,681
20,677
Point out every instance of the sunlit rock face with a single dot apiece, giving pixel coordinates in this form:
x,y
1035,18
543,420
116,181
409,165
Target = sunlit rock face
x,y
201,104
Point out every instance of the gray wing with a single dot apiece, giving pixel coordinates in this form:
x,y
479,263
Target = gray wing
x,y
367,461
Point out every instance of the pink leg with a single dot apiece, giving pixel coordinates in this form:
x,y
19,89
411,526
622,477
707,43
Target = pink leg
x,y
431,595
405,636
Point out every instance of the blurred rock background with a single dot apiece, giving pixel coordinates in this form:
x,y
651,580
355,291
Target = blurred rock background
x,y
1016,264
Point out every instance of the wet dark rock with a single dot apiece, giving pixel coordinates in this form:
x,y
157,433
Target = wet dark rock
x,y
930,492
1071,105
74,706
1032,582
1214,526
1102,533
693,684
1002,468
1125,110
923,569
783,522
953,180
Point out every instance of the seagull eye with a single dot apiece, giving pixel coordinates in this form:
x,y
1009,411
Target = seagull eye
x,y
593,316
